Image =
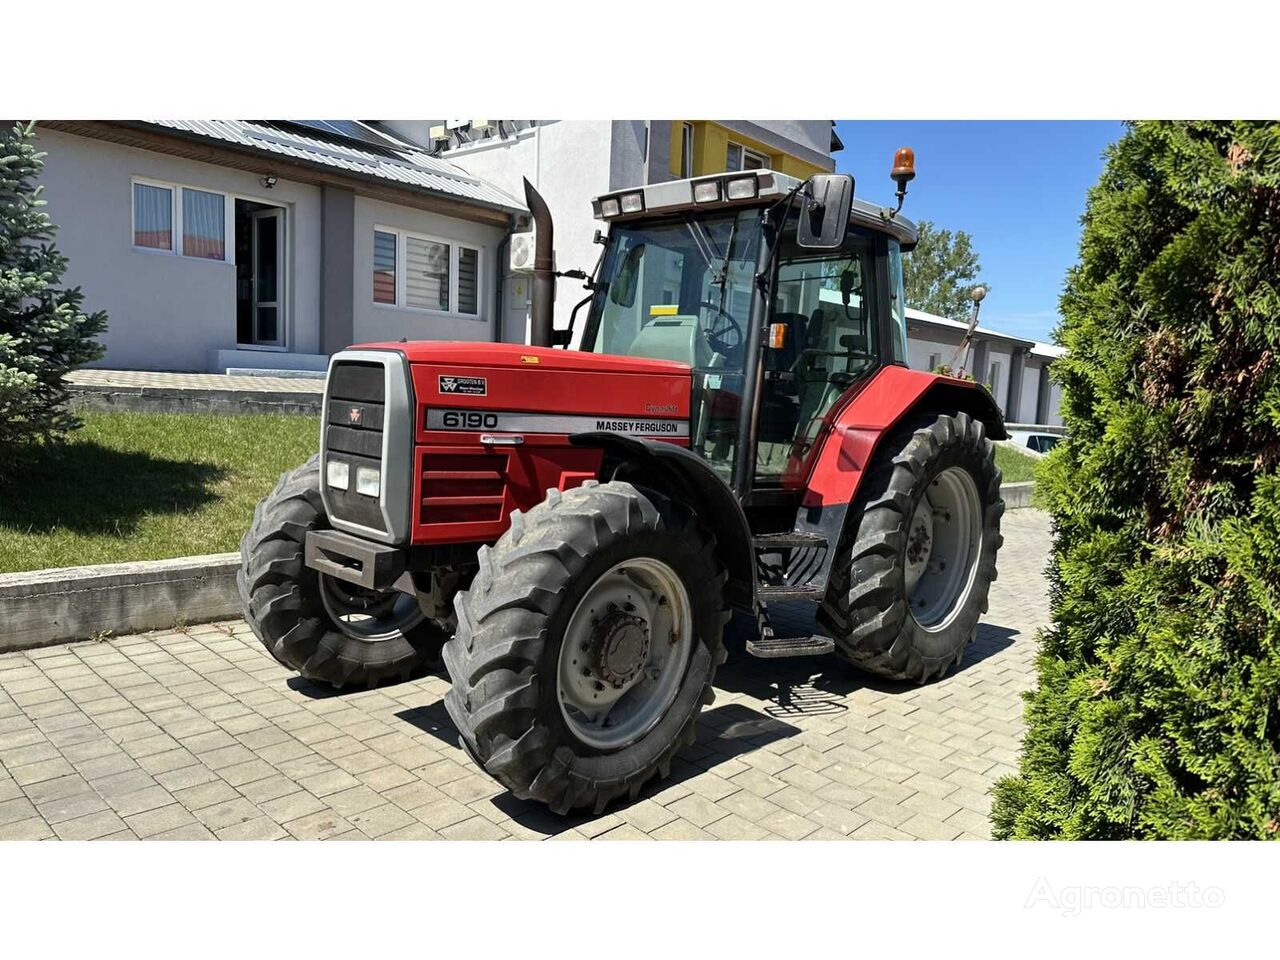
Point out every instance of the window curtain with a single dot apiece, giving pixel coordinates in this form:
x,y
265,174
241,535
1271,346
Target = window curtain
x,y
384,267
204,225
152,217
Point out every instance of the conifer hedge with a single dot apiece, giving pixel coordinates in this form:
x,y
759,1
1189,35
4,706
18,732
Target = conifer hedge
x,y
1157,709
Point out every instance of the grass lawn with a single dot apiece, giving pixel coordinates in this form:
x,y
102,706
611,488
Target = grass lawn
x,y
144,486
1014,466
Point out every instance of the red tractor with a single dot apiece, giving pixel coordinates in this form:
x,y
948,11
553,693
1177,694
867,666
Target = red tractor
x,y
571,529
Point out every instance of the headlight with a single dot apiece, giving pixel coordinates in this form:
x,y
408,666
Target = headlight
x,y
706,192
741,189
368,481
632,202
338,474
609,207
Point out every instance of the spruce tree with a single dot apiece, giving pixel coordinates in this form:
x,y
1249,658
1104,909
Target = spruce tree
x,y
43,331
1157,710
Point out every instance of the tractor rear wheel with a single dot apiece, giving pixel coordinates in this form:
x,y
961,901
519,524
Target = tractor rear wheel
x,y
587,644
327,630
908,585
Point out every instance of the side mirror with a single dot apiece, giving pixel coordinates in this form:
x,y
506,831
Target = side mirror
x,y
824,218
622,290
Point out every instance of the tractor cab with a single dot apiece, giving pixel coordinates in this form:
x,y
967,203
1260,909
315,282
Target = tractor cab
x,y
732,276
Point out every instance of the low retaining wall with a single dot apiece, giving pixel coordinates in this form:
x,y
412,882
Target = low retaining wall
x,y
75,603
1017,495
118,399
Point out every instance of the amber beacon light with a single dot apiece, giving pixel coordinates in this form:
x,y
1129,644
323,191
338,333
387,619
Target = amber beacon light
x,y
903,172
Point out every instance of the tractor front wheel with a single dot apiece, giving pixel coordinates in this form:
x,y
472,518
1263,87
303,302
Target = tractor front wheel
x,y
587,644
908,585
327,630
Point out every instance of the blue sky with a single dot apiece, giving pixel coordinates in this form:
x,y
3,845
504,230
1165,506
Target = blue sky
x,y
1018,187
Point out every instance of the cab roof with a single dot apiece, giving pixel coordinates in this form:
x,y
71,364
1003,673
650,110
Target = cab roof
x,y
674,196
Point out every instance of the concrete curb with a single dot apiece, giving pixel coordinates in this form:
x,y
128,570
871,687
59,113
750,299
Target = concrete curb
x,y
42,607
1017,495
118,399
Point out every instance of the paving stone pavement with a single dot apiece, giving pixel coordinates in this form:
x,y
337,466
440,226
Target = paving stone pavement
x,y
198,733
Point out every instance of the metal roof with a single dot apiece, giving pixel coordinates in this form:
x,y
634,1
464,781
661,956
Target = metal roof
x,y
933,320
406,167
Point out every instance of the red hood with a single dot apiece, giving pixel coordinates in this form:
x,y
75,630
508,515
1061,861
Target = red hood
x,y
514,355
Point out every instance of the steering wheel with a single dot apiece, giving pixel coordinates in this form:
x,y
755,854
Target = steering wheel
x,y
724,333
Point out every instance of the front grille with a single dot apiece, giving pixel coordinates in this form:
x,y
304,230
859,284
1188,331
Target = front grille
x,y
353,434
463,487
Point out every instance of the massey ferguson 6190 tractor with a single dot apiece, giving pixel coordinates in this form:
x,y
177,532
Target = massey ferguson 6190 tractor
x,y
571,529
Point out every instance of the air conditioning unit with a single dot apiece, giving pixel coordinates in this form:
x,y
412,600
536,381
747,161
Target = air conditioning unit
x,y
522,248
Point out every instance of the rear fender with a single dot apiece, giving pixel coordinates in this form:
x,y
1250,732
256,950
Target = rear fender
x,y
682,474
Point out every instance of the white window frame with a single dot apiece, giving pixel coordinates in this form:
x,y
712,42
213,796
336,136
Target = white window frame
x,y
686,150
744,152
402,258
175,218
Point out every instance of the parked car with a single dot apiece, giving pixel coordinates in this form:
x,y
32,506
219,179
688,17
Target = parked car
x,y
1033,439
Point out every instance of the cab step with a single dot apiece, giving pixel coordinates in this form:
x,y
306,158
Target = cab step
x,y
786,592
770,648
795,540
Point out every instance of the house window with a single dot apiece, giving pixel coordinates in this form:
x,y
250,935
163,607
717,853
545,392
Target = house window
x,y
185,221
152,217
686,151
739,157
204,224
426,273
993,381
935,361
384,267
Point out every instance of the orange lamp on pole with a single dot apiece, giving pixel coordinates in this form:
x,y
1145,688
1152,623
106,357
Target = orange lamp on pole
x,y
903,172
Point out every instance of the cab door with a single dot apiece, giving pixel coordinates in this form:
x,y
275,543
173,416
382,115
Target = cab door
x,y
826,302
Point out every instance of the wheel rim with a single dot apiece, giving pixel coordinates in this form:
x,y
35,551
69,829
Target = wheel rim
x,y
943,545
624,653
368,614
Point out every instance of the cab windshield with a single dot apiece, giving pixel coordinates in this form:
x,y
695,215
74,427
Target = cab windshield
x,y
678,289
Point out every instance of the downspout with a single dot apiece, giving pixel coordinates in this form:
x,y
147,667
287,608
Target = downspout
x,y
544,270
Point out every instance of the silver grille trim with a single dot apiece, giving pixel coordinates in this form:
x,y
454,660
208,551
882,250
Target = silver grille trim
x,y
396,463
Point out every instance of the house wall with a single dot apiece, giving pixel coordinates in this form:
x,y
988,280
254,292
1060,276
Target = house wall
x,y
1055,404
373,322
167,312
920,345
569,162
1030,391
998,381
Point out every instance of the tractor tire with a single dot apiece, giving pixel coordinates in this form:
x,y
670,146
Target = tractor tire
x,y
544,596
908,585
305,620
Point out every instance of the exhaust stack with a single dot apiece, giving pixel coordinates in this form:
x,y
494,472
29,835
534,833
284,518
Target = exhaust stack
x,y
544,270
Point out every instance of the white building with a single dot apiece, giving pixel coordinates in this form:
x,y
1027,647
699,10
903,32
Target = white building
x,y
1015,370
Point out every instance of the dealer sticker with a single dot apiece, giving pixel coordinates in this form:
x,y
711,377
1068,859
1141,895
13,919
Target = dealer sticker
x,y
471,386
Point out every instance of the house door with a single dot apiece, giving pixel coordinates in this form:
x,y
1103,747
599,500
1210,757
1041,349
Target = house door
x,y
267,259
